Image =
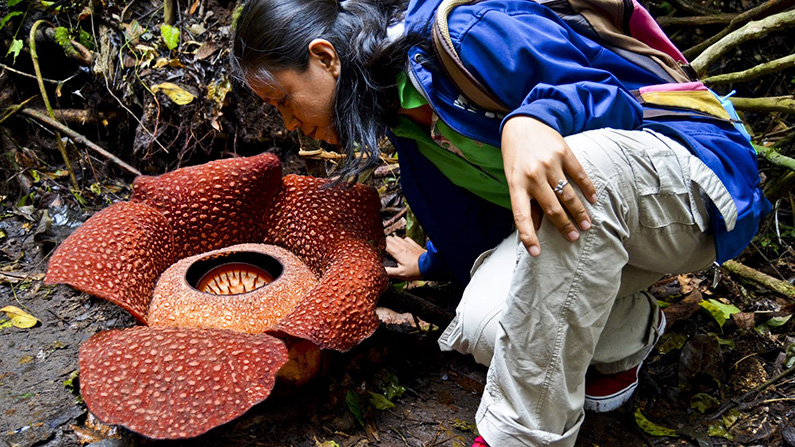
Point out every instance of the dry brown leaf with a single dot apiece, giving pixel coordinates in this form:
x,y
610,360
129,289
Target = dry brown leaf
x,y
204,51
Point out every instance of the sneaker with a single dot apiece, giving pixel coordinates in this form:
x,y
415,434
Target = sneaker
x,y
607,392
480,442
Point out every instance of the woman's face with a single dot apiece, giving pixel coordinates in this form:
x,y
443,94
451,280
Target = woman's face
x,y
306,99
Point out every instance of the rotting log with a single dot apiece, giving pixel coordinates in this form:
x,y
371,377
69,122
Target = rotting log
x,y
775,285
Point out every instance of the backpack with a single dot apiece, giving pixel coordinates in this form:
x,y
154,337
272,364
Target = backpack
x,y
626,28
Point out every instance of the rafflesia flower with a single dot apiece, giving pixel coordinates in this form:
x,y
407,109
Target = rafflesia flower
x,y
237,276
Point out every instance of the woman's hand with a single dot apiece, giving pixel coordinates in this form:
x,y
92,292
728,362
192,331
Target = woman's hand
x,y
407,254
536,159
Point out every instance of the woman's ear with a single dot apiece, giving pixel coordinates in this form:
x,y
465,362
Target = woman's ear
x,y
323,52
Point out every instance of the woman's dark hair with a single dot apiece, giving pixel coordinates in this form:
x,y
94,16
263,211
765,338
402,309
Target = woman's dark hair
x,y
275,34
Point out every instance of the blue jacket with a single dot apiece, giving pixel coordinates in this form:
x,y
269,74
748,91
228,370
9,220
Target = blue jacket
x,y
539,67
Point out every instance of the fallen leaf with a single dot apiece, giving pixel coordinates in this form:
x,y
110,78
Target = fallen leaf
x,y
174,92
701,356
671,342
719,311
684,309
652,428
744,320
170,36
19,318
205,50
380,402
703,402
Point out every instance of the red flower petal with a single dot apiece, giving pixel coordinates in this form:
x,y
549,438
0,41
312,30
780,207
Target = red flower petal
x,y
116,255
338,233
169,383
216,204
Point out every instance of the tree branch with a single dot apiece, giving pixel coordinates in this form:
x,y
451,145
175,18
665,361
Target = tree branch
x,y
713,19
773,66
775,157
766,8
750,31
79,139
775,285
784,104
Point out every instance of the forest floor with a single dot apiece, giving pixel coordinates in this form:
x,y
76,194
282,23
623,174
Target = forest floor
x,y
721,376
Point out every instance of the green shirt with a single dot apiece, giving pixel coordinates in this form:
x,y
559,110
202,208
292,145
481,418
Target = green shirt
x,y
470,164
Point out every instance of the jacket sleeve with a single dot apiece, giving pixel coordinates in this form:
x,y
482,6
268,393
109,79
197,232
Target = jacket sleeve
x,y
540,68
432,266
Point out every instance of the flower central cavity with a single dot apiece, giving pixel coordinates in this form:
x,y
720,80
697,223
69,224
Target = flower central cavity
x,y
233,278
233,273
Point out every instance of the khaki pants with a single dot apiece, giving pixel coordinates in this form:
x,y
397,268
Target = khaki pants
x,y
540,322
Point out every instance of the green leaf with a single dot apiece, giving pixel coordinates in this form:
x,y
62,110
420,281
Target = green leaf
x,y
85,39
170,36
718,429
765,327
380,401
8,17
671,342
394,391
724,342
703,402
70,382
15,48
652,428
12,3
719,311
354,404
777,321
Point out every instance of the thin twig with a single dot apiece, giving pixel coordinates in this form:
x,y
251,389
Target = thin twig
x,y
61,146
396,217
28,75
79,139
728,405
13,110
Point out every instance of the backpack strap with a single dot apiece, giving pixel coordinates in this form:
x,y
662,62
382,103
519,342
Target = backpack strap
x,y
604,20
454,67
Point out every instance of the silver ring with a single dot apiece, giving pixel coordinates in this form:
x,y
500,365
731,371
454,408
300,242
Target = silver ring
x,y
559,188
